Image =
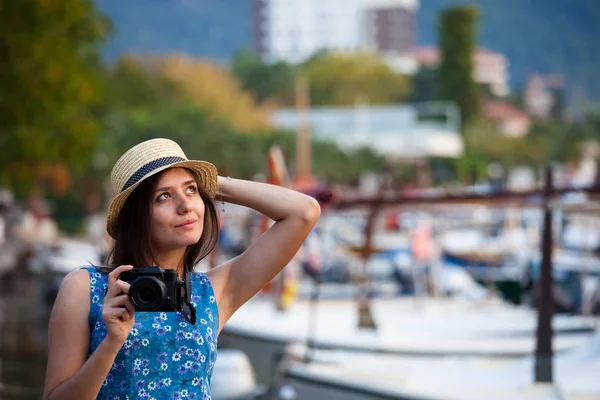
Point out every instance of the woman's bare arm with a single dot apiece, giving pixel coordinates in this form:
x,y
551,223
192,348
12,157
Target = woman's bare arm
x,y
70,374
294,213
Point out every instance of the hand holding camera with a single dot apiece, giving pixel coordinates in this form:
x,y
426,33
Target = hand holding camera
x,y
117,310
155,289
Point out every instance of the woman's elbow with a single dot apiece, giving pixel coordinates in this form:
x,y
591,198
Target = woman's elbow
x,y
311,211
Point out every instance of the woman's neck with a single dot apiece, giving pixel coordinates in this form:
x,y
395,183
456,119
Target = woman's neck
x,y
172,260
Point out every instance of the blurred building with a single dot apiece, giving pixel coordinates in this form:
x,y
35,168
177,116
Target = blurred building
x,y
490,67
294,30
408,131
543,96
389,26
511,121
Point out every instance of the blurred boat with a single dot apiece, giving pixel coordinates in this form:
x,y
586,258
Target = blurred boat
x,y
576,280
63,257
510,263
473,248
331,374
233,378
422,327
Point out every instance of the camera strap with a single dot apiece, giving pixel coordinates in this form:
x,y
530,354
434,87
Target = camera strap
x,y
190,313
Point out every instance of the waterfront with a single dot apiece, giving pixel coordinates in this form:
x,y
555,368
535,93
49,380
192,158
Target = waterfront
x,y
25,302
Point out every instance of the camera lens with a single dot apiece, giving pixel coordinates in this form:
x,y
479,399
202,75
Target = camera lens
x,y
147,293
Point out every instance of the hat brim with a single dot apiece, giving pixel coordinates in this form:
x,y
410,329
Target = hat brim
x,y
208,179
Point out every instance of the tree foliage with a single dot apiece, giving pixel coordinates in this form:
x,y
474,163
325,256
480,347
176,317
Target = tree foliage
x,y
128,85
340,79
50,78
274,82
213,88
205,137
364,76
548,142
457,29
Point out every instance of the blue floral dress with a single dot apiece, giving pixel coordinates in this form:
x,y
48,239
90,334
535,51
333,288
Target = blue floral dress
x,y
164,357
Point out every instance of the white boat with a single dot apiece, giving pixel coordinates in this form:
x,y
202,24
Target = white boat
x,y
342,375
64,256
422,327
233,377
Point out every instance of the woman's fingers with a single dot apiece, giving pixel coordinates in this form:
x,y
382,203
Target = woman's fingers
x,y
122,304
117,301
114,312
117,288
123,286
130,311
126,316
129,306
115,273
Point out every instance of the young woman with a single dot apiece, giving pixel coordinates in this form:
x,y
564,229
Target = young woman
x,y
163,215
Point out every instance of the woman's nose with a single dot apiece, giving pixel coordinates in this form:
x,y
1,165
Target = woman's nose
x,y
184,205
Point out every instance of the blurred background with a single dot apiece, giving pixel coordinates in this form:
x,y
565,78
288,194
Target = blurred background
x,y
453,147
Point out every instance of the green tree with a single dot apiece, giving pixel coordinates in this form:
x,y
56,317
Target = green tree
x,y
339,79
557,141
457,29
487,144
218,91
265,81
204,136
129,85
50,78
336,165
426,85
550,141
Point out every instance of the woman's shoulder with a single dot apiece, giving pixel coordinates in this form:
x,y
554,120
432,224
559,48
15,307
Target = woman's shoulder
x,y
200,276
76,281
94,271
81,277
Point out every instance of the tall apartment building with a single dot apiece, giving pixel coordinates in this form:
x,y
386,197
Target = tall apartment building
x,y
293,30
389,28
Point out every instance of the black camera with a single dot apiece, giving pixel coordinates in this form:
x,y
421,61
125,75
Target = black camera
x,y
155,289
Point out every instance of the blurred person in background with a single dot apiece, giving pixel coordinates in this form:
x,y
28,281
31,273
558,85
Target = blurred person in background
x,y
163,215
37,224
2,225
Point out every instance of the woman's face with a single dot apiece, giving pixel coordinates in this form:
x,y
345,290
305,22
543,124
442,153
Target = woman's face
x,y
177,211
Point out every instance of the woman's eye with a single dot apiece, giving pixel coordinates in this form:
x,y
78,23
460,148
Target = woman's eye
x,y
192,189
162,197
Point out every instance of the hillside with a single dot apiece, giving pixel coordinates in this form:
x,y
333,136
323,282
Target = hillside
x,y
208,28
544,36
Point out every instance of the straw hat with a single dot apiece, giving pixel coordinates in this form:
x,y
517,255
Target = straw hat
x,y
144,160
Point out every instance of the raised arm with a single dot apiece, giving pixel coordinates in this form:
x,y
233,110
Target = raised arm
x,y
70,374
294,213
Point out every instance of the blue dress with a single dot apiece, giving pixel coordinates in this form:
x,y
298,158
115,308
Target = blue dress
x,y
164,357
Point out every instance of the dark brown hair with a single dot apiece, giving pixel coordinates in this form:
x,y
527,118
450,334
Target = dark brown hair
x,y
133,243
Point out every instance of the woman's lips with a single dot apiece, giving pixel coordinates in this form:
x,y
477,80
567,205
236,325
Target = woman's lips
x,y
187,224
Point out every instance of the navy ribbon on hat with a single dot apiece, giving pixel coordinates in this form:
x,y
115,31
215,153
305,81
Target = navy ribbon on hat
x,y
146,169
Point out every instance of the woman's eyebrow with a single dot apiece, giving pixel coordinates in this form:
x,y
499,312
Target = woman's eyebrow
x,y
169,187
